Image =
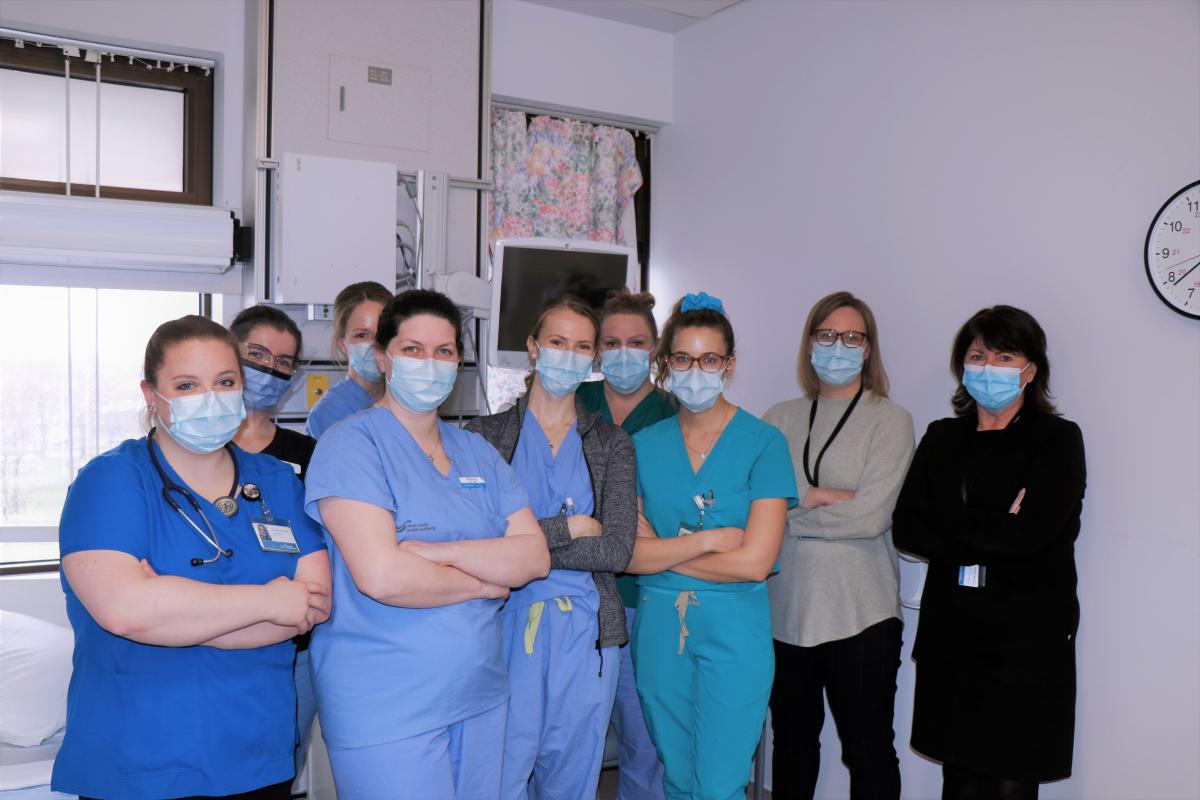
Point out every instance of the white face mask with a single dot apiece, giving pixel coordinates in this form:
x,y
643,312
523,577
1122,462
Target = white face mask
x,y
204,423
696,389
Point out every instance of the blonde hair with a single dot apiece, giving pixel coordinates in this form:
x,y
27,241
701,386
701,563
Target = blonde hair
x,y
873,375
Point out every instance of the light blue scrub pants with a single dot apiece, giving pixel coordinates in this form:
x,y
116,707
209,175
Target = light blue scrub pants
x,y
640,775
458,762
705,707
562,698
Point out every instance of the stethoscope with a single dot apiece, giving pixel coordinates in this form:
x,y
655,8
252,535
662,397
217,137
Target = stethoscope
x,y
226,505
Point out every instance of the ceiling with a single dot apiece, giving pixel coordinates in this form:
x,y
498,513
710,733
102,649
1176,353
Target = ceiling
x,y
670,16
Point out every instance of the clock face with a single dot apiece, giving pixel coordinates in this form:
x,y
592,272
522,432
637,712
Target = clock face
x,y
1173,252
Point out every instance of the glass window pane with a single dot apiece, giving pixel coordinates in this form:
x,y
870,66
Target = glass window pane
x,y
73,395
141,131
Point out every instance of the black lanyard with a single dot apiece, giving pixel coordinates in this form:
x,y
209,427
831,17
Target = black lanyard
x,y
814,477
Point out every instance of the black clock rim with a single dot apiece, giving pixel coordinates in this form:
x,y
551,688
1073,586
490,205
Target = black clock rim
x,y
1146,254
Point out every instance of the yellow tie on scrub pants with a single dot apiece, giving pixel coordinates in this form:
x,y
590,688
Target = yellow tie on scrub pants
x,y
685,599
535,619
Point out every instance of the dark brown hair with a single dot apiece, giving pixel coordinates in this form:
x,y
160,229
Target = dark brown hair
x,y
414,303
1007,330
694,318
348,299
873,375
250,318
624,301
177,331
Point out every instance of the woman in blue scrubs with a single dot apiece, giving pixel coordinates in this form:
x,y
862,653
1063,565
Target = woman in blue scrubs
x,y
428,528
188,566
627,397
715,485
356,311
562,633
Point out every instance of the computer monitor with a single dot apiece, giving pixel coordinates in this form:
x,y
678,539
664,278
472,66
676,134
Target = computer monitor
x,y
528,272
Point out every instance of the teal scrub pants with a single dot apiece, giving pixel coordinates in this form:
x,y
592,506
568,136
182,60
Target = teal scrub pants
x,y
704,706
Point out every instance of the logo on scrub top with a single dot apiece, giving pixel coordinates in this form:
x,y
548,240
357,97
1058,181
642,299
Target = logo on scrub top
x,y
413,527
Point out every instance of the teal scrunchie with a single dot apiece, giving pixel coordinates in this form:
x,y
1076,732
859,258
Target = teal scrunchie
x,y
701,301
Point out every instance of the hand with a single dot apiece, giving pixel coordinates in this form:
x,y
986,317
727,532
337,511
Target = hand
x,y
722,540
644,529
583,525
149,570
297,604
1015,508
430,551
819,497
492,591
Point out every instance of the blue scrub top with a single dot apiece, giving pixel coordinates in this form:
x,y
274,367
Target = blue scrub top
x,y
550,479
341,401
384,673
750,461
150,722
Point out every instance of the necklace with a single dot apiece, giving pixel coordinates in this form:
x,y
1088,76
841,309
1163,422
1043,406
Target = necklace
x,y
713,440
431,454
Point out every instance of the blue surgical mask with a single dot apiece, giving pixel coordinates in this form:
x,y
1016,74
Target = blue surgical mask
x,y
837,364
421,384
561,371
204,423
625,368
696,389
362,361
994,388
263,388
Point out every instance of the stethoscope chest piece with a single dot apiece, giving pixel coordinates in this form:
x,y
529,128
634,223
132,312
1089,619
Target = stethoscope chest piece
x,y
227,506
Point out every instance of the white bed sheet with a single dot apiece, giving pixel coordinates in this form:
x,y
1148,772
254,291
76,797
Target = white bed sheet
x,y
26,767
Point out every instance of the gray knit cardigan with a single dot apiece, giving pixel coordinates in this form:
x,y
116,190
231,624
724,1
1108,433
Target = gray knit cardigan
x,y
608,453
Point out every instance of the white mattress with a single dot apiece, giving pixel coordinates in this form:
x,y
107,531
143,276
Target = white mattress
x,y
23,767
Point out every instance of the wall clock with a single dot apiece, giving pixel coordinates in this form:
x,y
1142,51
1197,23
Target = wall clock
x,y
1173,251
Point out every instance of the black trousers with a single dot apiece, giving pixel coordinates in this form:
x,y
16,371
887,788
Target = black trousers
x,y
858,675
963,784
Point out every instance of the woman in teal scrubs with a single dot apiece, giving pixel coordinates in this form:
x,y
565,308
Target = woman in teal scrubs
x,y
356,311
182,611
715,484
627,397
428,529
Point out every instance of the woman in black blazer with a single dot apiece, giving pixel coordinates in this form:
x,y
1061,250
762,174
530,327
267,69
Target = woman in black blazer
x,y
992,501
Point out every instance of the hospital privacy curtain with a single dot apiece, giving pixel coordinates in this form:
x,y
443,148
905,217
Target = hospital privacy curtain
x,y
561,178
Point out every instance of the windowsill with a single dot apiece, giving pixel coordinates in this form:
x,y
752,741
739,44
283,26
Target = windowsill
x,y
25,558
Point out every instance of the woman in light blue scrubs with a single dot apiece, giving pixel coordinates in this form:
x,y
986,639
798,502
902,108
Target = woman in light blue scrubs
x,y
356,311
428,529
188,566
562,633
715,484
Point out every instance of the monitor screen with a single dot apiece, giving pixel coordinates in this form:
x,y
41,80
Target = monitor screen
x,y
531,276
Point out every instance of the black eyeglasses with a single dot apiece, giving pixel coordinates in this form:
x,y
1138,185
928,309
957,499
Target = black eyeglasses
x,y
257,354
709,362
826,337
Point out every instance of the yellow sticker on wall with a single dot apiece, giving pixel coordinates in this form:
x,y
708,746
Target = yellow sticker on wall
x,y
315,387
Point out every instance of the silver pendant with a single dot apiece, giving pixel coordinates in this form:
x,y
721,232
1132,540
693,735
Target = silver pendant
x,y
227,506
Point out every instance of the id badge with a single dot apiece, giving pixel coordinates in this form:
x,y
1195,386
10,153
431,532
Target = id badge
x,y
974,576
686,530
471,482
275,535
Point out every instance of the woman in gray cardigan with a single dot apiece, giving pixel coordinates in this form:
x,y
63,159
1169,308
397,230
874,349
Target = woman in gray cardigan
x,y
561,633
835,608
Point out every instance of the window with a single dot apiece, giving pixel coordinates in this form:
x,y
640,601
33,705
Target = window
x,y
155,124
70,364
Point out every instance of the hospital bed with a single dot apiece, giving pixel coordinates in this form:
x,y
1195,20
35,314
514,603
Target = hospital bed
x,y
35,667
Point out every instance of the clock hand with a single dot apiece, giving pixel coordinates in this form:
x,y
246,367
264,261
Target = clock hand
x,y
1189,258
1184,275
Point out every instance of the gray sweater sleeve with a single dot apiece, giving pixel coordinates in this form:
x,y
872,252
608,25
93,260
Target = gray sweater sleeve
x,y
869,513
612,549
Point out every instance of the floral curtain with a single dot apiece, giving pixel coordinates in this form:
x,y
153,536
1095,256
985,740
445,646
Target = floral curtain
x,y
560,178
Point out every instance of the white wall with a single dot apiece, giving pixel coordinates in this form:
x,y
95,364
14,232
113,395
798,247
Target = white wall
x,y
209,28
571,62
935,158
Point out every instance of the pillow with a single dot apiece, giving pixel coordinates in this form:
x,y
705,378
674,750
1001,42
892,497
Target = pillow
x,y
35,668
